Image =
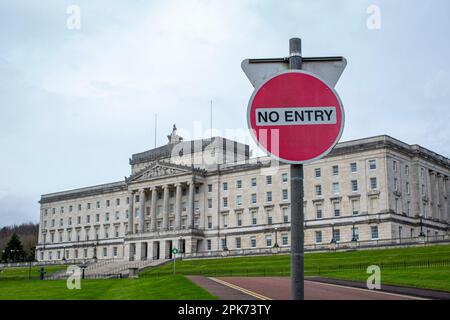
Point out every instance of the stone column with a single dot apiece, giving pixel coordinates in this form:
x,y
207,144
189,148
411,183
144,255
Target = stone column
x,y
166,207
142,211
130,213
153,209
434,197
178,206
447,197
190,222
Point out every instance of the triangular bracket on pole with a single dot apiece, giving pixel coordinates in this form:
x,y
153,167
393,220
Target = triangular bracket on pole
x,y
329,69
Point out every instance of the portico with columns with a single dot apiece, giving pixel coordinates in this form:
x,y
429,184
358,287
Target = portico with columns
x,y
165,210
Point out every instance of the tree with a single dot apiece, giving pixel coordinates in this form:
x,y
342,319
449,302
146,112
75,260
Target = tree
x,y
13,251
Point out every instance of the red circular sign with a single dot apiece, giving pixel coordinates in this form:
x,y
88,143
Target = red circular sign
x,y
295,116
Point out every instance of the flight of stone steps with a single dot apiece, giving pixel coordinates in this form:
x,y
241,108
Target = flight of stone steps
x,y
110,269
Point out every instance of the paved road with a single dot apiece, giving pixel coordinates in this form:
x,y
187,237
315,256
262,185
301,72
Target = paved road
x,y
278,288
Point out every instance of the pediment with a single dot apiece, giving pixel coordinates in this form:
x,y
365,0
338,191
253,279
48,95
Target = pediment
x,y
158,170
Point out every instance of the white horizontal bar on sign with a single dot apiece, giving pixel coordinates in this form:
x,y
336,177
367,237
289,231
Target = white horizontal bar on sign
x,y
295,116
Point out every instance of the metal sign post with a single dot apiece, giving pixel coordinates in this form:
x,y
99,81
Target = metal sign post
x,y
297,214
294,96
174,252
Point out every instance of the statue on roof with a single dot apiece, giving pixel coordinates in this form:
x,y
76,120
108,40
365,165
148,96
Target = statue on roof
x,y
174,137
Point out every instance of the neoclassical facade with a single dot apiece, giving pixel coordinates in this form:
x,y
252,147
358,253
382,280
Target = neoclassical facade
x,y
206,197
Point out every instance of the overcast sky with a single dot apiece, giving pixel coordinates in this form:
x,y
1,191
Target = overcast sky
x,y
76,103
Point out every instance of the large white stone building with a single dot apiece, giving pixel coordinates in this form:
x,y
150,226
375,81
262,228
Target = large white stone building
x,y
208,197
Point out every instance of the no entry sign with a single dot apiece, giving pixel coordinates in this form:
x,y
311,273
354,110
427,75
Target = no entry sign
x,y
295,116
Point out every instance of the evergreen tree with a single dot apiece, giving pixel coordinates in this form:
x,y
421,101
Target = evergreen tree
x,y
13,251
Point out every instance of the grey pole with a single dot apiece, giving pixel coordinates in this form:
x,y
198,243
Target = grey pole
x,y
297,214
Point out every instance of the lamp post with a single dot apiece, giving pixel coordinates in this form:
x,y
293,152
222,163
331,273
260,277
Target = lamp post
x,y
225,246
276,246
354,237
422,236
333,239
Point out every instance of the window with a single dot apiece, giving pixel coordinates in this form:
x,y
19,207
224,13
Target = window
x,y
88,219
224,244
269,217
396,205
70,208
238,243
394,165
318,211
79,220
117,204
209,187
269,196
107,215
239,200
208,245
284,177
239,184
88,205
61,222
53,222
253,198
285,195
408,208
422,170
284,239
335,170
423,189
355,234
105,252
225,202
209,203
137,198
117,215
336,208
268,241
239,219
372,164
108,203
115,251
254,220
128,200
253,242
253,182
395,184
317,172
97,217
373,183
98,204
374,232
335,187
268,180
225,220
318,236
70,221
116,232
355,206
318,190
407,188
353,167
337,235
53,210
225,186
62,210
354,185
407,170
285,215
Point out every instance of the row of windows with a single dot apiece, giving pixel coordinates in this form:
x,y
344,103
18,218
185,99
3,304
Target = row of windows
x,y
284,179
251,242
77,254
353,168
77,236
253,199
336,234
335,186
253,218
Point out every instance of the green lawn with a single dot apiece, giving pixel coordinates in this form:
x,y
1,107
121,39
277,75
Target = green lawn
x,y
403,266
154,288
437,278
23,272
